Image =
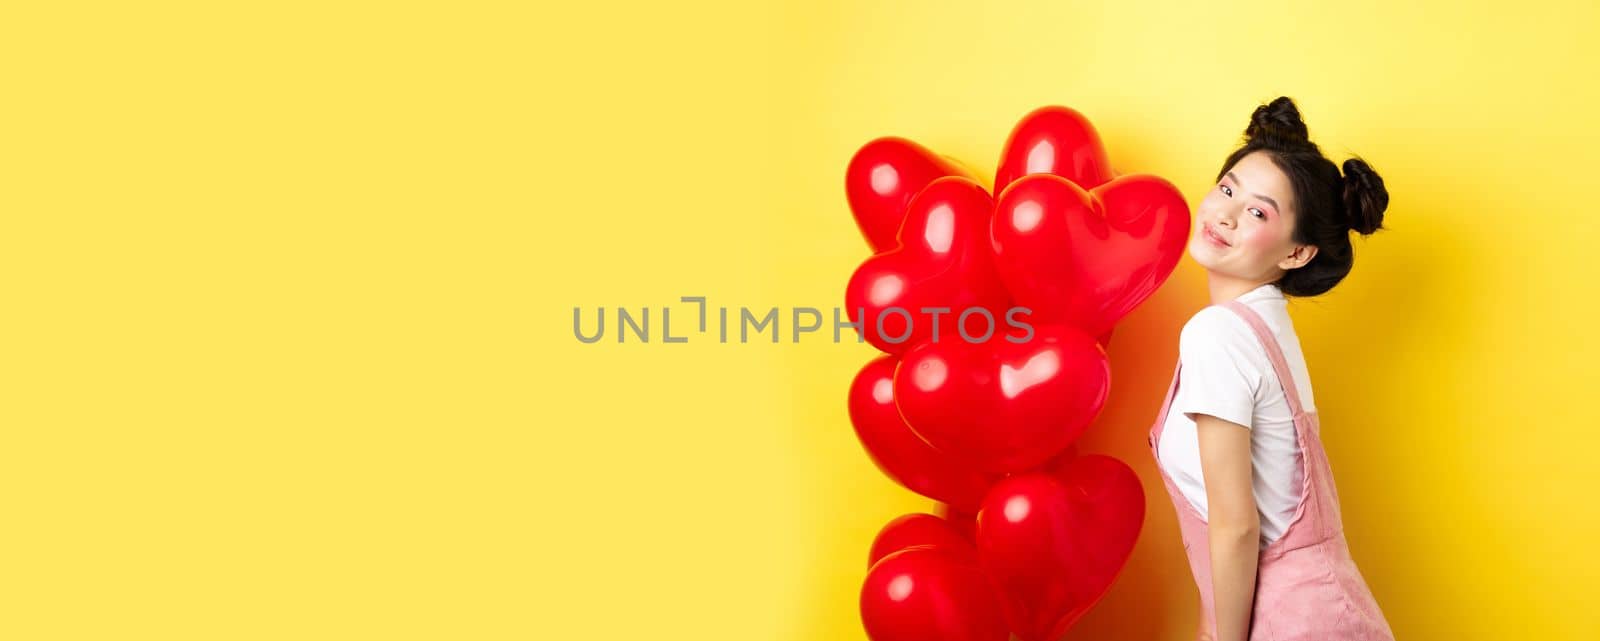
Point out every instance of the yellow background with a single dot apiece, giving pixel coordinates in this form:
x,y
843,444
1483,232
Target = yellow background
x,y
287,303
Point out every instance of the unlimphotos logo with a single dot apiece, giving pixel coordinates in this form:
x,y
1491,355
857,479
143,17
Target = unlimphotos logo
x,y
900,320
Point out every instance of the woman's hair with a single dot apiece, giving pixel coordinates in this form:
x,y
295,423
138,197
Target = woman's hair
x,y
1328,206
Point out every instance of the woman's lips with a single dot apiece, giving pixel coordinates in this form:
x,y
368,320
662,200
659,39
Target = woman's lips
x,y
1214,238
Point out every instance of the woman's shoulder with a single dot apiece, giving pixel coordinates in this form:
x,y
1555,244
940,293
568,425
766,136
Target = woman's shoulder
x,y
1219,346
1215,323
1219,334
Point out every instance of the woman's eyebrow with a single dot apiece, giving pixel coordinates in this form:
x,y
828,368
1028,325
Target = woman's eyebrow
x,y
1240,183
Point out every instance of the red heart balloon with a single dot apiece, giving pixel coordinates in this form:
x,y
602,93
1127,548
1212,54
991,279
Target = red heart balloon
x,y
916,529
1004,406
880,181
1087,258
1054,140
1053,543
942,261
928,593
902,455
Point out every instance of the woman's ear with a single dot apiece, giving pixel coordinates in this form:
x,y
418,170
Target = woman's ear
x,y
1302,255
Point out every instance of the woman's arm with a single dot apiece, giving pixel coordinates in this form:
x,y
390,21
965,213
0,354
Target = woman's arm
x,y
1233,522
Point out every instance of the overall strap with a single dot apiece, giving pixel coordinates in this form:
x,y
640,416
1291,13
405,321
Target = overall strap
x,y
1274,352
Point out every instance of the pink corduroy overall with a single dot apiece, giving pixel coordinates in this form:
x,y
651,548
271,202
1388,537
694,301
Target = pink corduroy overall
x,y
1307,586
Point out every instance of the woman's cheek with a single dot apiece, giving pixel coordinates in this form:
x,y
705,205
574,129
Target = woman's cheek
x,y
1260,240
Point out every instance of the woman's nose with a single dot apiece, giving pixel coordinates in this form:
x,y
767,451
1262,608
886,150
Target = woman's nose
x,y
1228,216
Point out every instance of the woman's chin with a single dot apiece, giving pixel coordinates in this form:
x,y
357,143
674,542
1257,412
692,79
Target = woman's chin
x,y
1202,255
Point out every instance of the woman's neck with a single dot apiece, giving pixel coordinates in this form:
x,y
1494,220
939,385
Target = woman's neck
x,y
1226,288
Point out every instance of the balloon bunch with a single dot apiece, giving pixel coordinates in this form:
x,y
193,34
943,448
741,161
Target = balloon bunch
x,y
983,418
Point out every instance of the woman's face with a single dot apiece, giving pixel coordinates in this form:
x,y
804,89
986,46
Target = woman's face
x,y
1243,227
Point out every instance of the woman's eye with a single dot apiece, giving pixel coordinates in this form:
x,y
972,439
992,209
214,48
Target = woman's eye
x,y
1258,213
1226,190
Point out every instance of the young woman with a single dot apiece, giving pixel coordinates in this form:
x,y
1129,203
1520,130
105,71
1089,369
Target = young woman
x,y
1237,439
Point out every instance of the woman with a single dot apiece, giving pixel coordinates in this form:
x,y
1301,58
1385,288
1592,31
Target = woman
x,y
1237,439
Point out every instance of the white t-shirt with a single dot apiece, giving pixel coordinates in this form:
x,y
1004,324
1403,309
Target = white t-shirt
x,y
1226,373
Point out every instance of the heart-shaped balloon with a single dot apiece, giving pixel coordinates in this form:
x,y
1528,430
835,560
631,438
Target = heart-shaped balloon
x,y
916,529
1004,406
1087,258
902,455
881,180
1053,543
930,593
943,261
1054,140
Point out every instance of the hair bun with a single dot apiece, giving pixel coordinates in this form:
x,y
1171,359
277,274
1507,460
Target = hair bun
x,y
1278,124
1365,197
